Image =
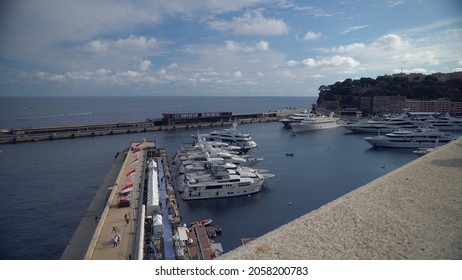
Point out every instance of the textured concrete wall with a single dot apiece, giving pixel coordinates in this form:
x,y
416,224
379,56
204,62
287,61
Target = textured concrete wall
x,y
414,212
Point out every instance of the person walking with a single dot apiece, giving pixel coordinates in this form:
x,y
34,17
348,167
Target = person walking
x,y
114,241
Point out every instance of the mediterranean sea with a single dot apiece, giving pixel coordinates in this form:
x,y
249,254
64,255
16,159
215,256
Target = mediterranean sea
x,y
47,186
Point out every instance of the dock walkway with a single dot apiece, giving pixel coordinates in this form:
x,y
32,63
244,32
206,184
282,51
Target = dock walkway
x,y
93,239
80,241
168,234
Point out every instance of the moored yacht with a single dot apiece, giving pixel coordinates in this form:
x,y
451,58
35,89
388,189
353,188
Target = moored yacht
x,y
445,123
316,122
219,182
294,118
232,137
389,125
422,137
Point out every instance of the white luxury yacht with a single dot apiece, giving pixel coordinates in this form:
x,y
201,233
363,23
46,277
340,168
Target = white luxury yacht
x,y
294,118
207,154
230,136
422,137
400,122
316,122
219,182
445,123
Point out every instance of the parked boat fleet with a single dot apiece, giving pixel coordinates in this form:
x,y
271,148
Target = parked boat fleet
x,y
212,168
424,131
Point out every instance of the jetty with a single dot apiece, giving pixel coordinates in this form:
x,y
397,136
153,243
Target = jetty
x,y
169,121
135,215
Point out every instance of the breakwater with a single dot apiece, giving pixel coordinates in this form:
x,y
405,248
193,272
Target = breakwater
x,y
19,135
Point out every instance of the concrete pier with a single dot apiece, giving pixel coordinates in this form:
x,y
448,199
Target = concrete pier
x,y
20,135
414,212
92,239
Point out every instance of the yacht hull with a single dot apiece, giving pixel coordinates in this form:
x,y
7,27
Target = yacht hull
x,y
377,142
300,127
221,193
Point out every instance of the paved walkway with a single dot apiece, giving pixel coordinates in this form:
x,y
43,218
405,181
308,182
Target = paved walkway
x,y
168,234
92,240
78,245
414,212
121,220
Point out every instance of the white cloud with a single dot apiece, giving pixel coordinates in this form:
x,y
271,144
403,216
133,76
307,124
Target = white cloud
x,y
95,47
135,43
232,46
424,57
129,74
312,36
252,23
393,3
413,70
131,43
145,65
390,42
236,47
332,61
292,63
349,48
262,46
353,28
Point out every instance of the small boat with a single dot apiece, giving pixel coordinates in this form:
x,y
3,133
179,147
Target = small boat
x,y
424,151
203,222
216,228
211,232
290,154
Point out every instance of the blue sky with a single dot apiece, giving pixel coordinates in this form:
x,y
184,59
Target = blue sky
x,y
219,47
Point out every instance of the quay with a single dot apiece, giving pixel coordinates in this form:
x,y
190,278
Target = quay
x,y
111,213
413,212
167,122
137,203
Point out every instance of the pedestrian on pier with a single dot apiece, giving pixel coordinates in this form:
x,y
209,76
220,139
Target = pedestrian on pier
x,y
114,241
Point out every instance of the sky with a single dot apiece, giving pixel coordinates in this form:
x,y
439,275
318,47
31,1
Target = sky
x,y
219,47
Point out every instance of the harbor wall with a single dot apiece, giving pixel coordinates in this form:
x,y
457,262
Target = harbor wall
x,y
413,212
20,135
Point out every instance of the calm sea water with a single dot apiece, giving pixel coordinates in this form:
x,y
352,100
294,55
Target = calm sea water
x,y
47,186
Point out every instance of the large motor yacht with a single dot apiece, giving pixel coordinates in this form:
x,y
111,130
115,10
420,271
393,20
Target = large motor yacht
x,y
316,122
422,137
219,182
445,123
294,118
231,136
389,125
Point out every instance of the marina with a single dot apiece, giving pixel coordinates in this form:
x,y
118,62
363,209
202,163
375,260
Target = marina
x,y
152,228
142,222
300,185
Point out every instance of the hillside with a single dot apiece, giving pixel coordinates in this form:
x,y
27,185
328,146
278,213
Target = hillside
x,y
349,92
